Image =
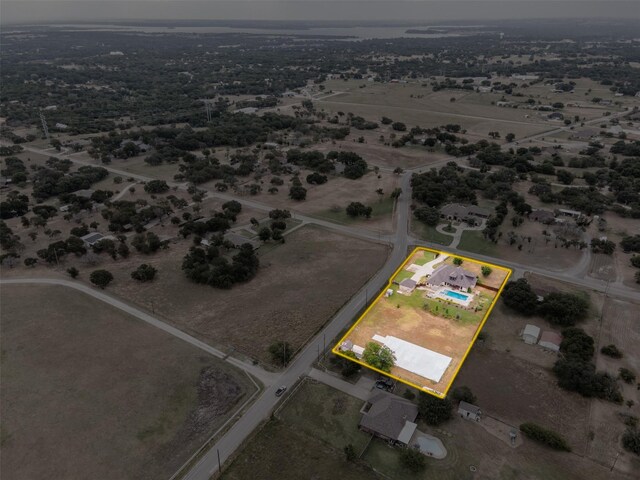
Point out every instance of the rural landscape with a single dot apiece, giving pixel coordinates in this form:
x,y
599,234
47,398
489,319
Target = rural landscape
x,y
259,249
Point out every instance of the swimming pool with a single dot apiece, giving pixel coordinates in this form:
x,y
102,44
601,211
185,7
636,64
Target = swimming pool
x,y
456,295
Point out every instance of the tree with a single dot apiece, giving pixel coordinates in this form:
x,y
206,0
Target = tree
x,y
564,309
264,234
144,273
604,246
412,460
486,271
357,209
156,186
631,244
281,352
434,410
427,215
611,351
101,278
30,262
316,178
457,261
297,192
378,356
576,344
518,296
631,440
146,243
510,137
564,176
73,272
350,453
398,126
463,394
386,121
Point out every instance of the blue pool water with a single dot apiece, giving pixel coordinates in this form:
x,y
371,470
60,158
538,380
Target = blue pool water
x,y
456,295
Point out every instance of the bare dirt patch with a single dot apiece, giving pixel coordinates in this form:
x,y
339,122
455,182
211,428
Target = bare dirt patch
x,y
89,392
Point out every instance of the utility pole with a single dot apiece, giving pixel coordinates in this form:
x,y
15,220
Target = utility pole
x,y
45,129
614,461
219,465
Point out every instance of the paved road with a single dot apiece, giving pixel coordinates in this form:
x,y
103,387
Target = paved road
x,y
265,404
339,384
267,378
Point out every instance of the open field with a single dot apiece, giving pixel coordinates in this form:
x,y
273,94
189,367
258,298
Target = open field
x,y
425,316
429,234
294,293
68,361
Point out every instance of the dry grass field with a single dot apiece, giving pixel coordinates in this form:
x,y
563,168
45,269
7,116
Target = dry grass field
x,y
299,286
89,392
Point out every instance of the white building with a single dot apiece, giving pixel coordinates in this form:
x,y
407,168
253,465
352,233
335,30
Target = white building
x,y
531,334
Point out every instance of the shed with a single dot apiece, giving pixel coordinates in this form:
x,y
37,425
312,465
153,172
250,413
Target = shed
x,y
469,411
550,340
530,334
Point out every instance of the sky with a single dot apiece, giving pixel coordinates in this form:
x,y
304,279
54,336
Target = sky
x,y
43,11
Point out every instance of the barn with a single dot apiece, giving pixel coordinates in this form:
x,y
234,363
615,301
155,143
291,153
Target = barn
x,y
550,341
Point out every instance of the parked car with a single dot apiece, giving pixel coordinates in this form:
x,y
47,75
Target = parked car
x,y
280,391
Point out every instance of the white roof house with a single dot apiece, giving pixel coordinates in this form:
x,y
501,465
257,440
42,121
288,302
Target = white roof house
x,y
531,334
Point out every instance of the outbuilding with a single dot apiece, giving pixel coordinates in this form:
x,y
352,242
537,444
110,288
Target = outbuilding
x,y
469,411
550,340
531,334
407,286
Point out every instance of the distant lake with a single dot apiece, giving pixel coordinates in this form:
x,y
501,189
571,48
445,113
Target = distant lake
x,y
357,33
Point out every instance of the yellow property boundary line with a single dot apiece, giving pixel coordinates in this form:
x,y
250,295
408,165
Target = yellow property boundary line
x,y
336,348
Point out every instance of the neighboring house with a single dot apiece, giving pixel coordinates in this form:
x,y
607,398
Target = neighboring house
x,y
457,212
389,417
407,286
239,240
84,193
531,334
469,411
453,276
542,216
91,239
550,341
568,213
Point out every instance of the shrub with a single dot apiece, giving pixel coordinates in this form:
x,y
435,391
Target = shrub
x,y
463,394
144,273
544,436
73,272
611,351
626,375
631,440
412,460
433,410
101,278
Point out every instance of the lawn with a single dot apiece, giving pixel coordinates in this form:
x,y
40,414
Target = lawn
x,y
473,241
378,209
281,452
335,415
90,392
430,234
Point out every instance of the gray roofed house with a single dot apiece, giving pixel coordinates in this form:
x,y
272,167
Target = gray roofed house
x,y
389,417
542,216
239,240
86,193
91,239
453,276
455,211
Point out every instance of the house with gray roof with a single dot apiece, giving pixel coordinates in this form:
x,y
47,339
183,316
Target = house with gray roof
x,y
453,276
543,216
389,417
463,213
470,411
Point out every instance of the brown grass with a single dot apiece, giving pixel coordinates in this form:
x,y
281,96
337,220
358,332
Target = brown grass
x,y
89,392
